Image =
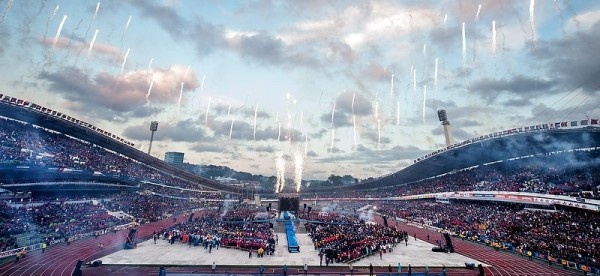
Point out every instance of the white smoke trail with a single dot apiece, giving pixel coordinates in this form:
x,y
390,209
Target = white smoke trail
x,y
149,67
424,100
332,139
378,134
425,50
255,116
494,38
477,14
332,114
92,43
149,91
228,111
414,78
391,87
475,37
435,74
50,17
96,11
445,20
398,113
59,30
202,84
278,132
299,167
532,21
181,88
9,5
301,122
207,110
231,128
464,46
124,60
354,119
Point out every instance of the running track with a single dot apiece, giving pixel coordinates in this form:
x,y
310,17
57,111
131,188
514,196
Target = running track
x,y
61,259
501,263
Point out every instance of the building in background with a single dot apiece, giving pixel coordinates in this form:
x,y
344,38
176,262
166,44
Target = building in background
x,y
174,158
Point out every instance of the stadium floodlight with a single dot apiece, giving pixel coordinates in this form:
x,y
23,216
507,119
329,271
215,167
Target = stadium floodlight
x,y
153,128
447,131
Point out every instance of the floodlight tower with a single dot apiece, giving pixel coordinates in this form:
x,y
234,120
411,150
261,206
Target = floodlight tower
x,y
153,128
447,132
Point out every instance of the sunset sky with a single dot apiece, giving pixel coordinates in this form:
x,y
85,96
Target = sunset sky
x,y
342,87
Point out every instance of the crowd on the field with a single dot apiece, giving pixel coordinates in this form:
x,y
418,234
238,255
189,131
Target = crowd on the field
x,y
241,228
570,234
347,238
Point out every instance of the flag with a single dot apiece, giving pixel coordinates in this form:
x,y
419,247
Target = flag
x,y
594,121
564,124
584,122
573,123
557,125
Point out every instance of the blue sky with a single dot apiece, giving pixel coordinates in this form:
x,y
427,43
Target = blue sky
x,y
297,66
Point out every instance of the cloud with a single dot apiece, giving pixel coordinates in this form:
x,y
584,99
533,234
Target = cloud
x,y
457,133
518,85
127,93
204,148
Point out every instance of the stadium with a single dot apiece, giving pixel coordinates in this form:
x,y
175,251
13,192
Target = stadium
x,y
557,162
361,94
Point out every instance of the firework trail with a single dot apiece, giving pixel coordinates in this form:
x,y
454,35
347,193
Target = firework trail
x,y
149,67
9,5
92,43
332,115
332,139
475,37
255,116
391,87
299,167
181,88
125,32
228,110
494,38
92,21
149,92
398,113
207,110
464,47
277,117
435,74
202,84
425,50
376,105
58,31
50,17
424,100
280,167
378,134
125,60
278,132
354,120
231,128
532,21
445,20
301,122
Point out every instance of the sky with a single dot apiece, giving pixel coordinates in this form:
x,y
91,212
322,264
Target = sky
x,y
304,88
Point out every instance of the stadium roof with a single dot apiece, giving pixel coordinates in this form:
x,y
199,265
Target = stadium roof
x,y
514,145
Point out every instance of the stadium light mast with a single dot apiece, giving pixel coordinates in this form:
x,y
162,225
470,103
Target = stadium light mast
x,y
447,132
153,128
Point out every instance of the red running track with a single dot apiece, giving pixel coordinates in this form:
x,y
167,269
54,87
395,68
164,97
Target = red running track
x,y
61,259
501,263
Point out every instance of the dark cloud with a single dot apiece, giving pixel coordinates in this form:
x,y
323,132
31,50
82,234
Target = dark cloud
x,y
573,59
182,131
269,149
467,123
165,16
518,85
339,119
362,106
